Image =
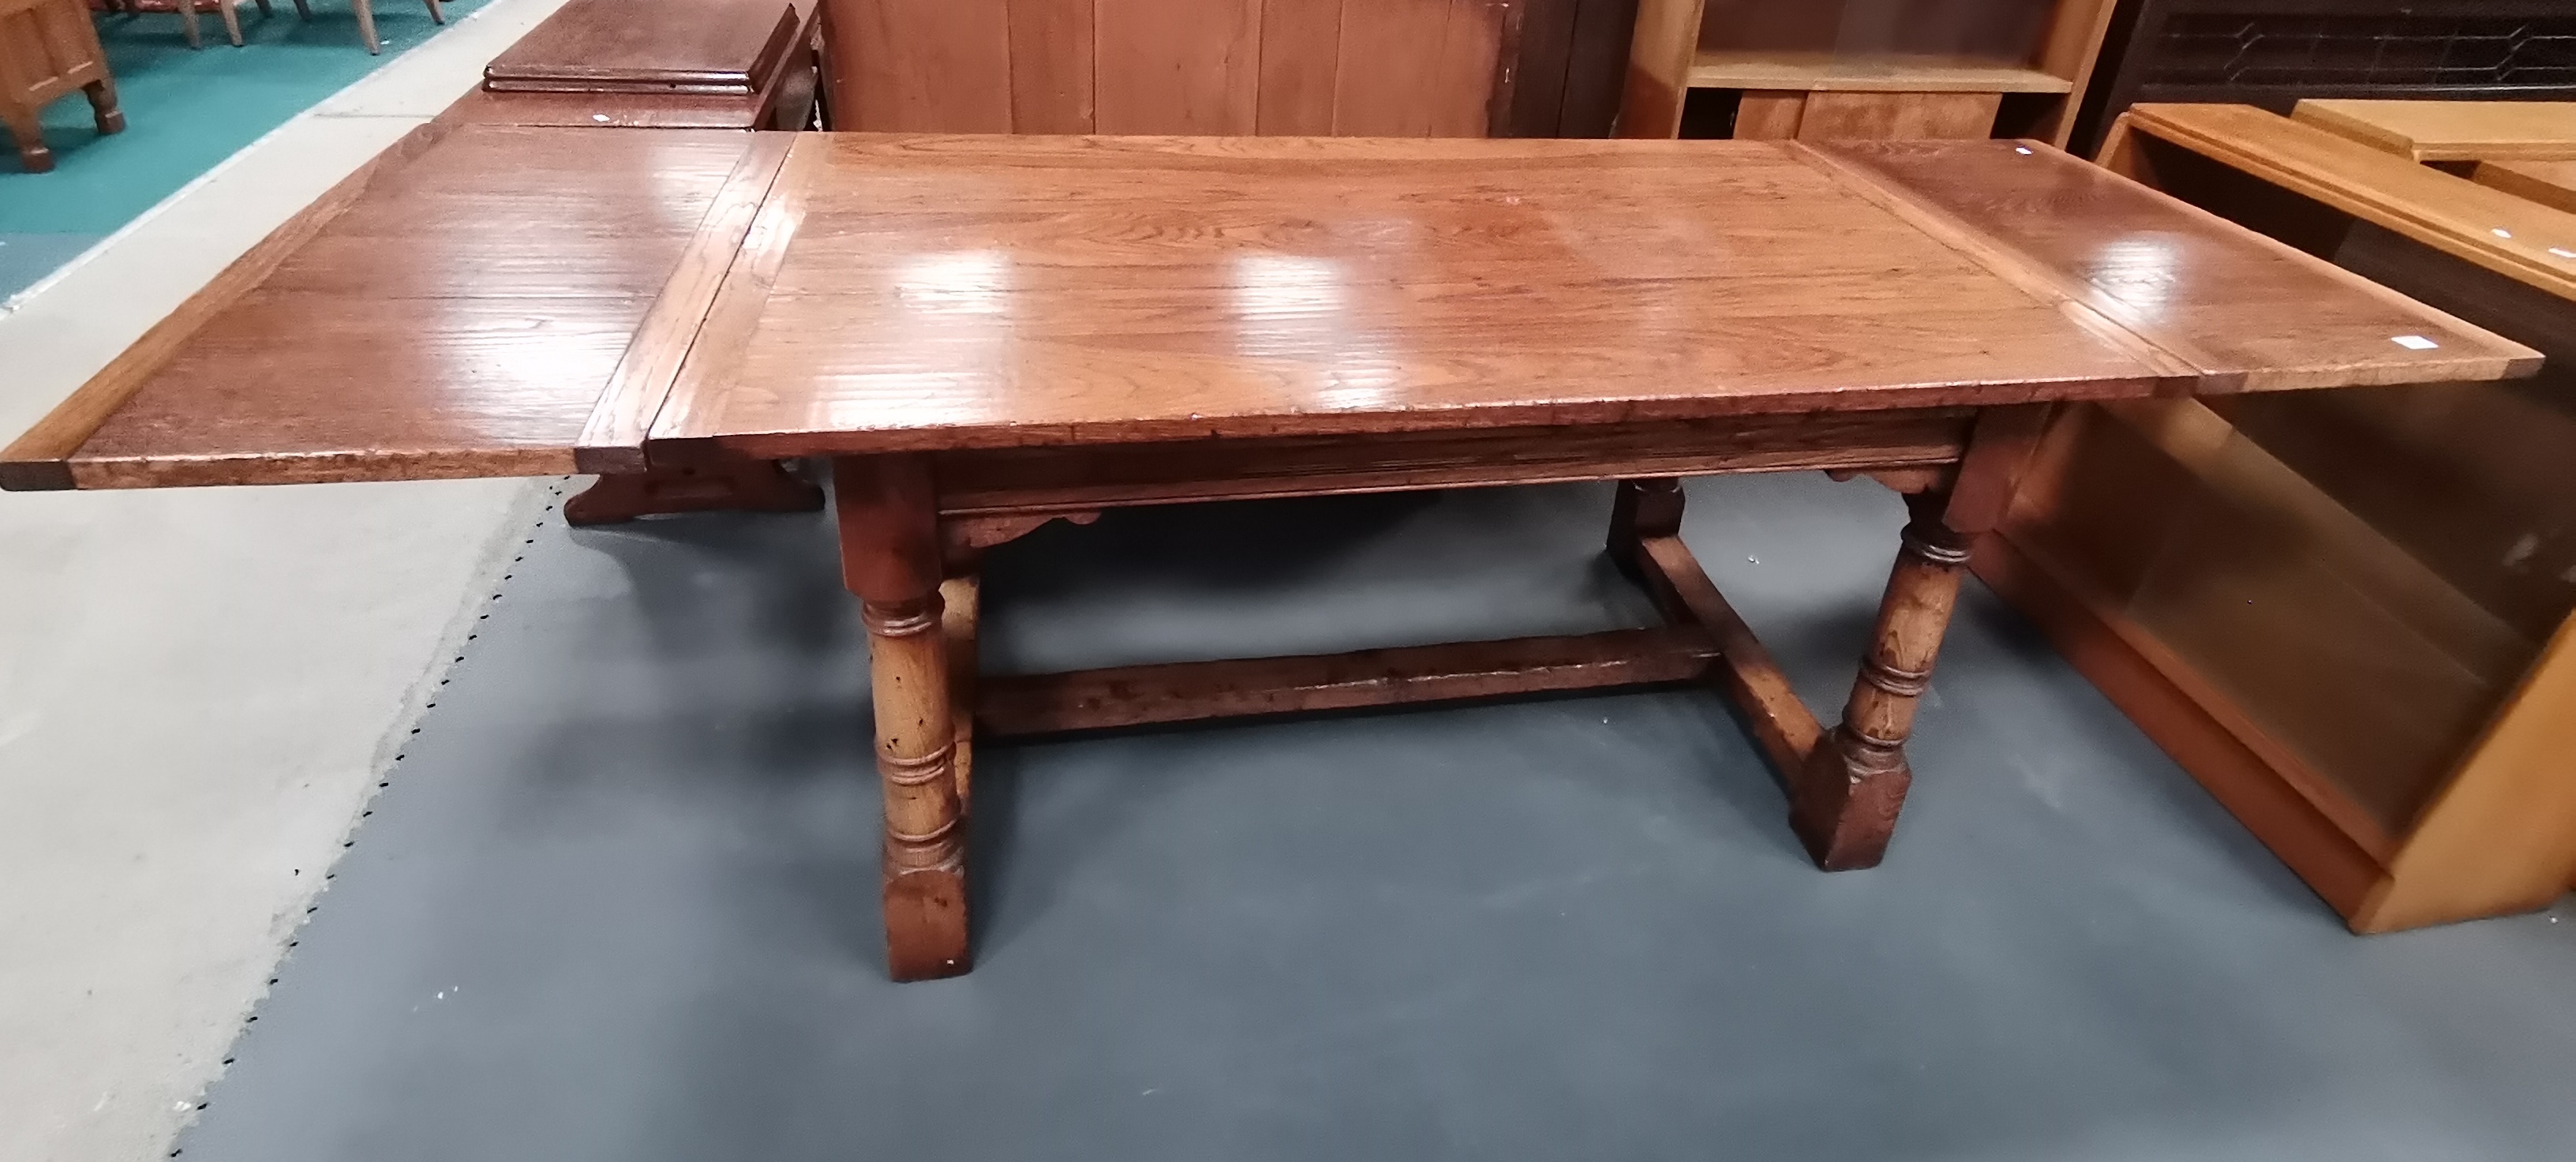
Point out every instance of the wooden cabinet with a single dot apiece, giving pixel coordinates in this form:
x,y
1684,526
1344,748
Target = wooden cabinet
x,y
48,49
1864,68
2347,613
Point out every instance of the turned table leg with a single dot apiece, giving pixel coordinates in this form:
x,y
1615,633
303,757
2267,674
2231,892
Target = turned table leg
x,y
1844,804
890,557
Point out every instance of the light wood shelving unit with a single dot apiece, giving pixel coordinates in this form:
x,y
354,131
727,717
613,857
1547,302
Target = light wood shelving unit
x,y
1865,68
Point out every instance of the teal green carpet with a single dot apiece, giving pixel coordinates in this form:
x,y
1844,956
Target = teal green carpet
x,y
185,111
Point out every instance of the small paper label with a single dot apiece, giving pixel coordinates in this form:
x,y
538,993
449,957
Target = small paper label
x,y
2414,342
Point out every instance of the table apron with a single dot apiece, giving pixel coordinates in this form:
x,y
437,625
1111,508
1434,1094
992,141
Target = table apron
x,y
1003,481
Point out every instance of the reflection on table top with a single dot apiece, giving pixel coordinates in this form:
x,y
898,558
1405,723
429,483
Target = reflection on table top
x,y
459,307
490,300
984,291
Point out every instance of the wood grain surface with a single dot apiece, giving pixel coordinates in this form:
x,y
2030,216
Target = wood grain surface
x,y
990,292
2244,313
1043,479
2550,183
2451,130
1832,116
980,292
1177,66
1836,72
458,313
612,439
928,66
1381,68
1030,704
40,457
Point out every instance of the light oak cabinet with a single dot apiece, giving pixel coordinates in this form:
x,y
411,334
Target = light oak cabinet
x,y
1865,68
2350,614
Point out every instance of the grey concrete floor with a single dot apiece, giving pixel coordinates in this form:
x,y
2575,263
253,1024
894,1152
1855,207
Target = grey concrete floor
x,y
617,900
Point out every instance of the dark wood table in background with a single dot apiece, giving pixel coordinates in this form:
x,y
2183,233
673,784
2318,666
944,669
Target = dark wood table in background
x,y
658,64
988,333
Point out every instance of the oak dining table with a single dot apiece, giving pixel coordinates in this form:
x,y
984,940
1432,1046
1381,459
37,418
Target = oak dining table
x,y
984,335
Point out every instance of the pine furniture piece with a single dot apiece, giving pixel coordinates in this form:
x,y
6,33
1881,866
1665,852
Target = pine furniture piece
x,y
2525,148
989,333
2346,613
2549,183
1866,68
49,50
2452,130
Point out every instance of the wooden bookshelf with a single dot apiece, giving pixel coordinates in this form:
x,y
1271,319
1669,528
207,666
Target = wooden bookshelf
x,y
1813,72
1864,68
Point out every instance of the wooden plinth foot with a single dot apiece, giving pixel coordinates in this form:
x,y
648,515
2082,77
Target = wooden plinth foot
x,y
727,486
1844,805
925,920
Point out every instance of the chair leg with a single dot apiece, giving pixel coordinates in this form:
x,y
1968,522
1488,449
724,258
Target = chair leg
x,y
188,23
303,11
437,15
29,134
102,106
367,26
264,13
232,20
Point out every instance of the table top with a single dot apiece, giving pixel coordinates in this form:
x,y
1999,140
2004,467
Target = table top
x,y
491,300
469,304
2452,130
2514,236
952,292
710,46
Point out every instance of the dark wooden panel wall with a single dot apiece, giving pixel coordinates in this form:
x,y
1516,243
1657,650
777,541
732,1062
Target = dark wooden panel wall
x,y
1572,62
1381,68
